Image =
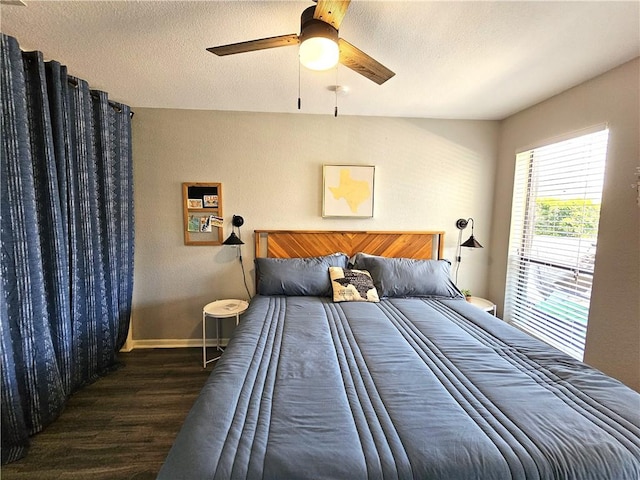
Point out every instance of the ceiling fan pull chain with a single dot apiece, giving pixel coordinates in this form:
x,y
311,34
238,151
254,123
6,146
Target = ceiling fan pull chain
x,y
335,111
299,102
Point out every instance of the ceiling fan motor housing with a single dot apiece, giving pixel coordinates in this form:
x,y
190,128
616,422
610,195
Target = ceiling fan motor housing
x,y
311,27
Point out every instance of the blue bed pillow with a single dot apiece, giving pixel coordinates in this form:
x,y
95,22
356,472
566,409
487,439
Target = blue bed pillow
x,y
406,277
297,276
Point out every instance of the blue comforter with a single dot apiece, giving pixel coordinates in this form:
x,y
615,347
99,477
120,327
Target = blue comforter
x,y
406,388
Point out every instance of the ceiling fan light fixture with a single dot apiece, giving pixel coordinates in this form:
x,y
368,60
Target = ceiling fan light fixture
x,y
319,53
318,42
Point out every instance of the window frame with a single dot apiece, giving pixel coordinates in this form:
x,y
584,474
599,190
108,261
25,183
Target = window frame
x,y
553,318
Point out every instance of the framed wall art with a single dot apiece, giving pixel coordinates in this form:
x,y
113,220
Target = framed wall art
x,y
347,190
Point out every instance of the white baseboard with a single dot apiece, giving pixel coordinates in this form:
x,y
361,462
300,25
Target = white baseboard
x,y
170,343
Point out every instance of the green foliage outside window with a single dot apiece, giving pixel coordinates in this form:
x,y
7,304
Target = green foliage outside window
x,y
576,218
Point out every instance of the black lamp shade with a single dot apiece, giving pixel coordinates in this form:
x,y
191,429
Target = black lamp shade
x,y
233,240
471,242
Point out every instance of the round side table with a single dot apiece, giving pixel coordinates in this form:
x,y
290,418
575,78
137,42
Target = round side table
x,y
484,304
219,309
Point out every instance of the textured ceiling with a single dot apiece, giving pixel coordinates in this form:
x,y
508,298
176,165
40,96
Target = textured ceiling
x,y
473,60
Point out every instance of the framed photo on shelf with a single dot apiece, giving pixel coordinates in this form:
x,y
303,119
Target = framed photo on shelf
x,y
194,223
210,201
347,190
205,223
194,203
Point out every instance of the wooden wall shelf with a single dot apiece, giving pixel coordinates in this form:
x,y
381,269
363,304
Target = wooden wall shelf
x,y
202,212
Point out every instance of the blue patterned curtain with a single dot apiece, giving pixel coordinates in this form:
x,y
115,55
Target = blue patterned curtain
x,y
66,226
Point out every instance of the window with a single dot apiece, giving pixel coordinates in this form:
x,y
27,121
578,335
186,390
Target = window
x,y
554,231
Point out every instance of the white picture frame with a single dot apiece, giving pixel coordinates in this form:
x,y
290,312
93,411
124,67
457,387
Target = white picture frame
x,y
348,191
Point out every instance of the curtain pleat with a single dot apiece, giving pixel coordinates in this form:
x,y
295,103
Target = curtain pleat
x,y
124,213
66,222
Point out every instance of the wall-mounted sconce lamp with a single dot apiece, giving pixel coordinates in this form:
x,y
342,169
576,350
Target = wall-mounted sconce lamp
x,y
236,241
471,242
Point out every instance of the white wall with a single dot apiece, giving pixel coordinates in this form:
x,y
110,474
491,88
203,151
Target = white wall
x,y
613,335
429,173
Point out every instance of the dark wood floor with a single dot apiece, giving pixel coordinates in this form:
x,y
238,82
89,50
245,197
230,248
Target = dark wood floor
x,y
123,425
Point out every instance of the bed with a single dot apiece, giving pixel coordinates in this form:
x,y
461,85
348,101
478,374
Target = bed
x,y
318,383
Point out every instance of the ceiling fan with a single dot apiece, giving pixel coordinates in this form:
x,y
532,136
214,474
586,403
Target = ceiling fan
x,y
318,37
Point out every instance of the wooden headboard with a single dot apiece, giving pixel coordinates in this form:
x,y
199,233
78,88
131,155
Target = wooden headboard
x,y
312,243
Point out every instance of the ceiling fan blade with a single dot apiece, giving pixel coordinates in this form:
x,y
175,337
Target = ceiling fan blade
x,y
360,62
331,11
252,45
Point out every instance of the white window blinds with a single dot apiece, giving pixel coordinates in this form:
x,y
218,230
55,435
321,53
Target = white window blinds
x,y
554,230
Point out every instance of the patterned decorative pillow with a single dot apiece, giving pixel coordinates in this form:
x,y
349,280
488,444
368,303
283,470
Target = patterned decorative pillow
x,y
352,285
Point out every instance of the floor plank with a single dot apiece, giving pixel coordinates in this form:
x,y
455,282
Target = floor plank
x,y
123,425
